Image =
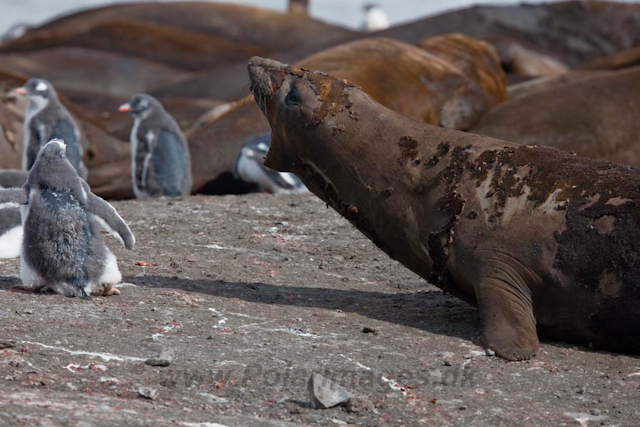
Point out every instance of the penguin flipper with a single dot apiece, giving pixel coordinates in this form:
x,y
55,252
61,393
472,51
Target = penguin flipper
x,y
109,218
13,195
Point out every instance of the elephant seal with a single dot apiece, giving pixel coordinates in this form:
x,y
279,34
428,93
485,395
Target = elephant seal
x,y
173,47
540,240
593,114
439,87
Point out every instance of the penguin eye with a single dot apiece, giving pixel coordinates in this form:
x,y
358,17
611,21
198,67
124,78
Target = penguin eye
x,y
293,98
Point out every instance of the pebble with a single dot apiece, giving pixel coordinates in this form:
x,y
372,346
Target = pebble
x,y
489,352
147,393
368,330
325,393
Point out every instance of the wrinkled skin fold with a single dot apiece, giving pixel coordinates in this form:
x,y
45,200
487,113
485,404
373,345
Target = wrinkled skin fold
x,y
541,241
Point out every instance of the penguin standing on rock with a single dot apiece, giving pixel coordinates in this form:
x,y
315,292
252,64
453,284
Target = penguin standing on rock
x,y
160,160
62,248
250,168
10,222
47,119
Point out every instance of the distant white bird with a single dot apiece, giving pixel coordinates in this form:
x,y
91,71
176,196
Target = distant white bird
x,y
375,19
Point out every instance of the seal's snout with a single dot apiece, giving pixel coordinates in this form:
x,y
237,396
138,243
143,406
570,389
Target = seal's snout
x,y
266,76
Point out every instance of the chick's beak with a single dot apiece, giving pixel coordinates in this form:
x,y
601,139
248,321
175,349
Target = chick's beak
x,y
124,108
21,91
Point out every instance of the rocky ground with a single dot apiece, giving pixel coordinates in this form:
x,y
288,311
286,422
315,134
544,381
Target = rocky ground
x,y
244,298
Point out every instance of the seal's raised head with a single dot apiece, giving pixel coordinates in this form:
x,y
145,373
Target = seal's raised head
x,y
299,105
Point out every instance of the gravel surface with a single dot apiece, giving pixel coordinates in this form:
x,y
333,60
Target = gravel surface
x,y
231,303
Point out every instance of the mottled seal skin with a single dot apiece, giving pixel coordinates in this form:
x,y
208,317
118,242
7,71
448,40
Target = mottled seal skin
x,y
540,240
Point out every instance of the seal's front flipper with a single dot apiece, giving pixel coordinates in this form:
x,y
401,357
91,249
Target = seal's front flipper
x,y
109,218
508,323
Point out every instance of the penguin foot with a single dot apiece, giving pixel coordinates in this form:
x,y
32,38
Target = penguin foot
x,y
108,290
82,294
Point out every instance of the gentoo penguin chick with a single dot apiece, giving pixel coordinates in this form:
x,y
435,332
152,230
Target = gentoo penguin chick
x,y
10,222
46,119
160,160
374,18
251,169
62,248
13,178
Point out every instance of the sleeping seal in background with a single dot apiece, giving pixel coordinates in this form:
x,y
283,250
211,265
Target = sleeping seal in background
x,y
540,240
63,249
48,119
10,222
160,160
250,168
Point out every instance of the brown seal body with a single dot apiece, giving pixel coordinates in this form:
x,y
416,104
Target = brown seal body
x,y
94,71
572,32
542,241
241,24
174,47
592,114
438,87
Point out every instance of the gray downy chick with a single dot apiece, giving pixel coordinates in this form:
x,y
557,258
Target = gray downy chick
x,y
160,160
46,119
250,168
10,222
62,248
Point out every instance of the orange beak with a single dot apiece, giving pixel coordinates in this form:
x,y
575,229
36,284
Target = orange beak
x,y
124,108
21,91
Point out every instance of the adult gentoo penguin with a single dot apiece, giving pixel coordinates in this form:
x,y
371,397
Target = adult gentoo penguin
x,y
48,119
62,248
251,169
160,160
10,222
375,19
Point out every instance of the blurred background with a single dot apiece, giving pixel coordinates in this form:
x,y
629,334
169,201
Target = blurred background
x,y
342,12
494,68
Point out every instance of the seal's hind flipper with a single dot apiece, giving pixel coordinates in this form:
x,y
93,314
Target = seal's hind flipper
x,y
508,323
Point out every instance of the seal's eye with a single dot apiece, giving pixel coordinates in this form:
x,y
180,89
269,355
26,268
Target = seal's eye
x,y
293,98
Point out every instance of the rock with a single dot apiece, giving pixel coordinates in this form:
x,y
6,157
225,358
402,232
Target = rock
x,y
489,352
163,360
147,393
325,393
368,330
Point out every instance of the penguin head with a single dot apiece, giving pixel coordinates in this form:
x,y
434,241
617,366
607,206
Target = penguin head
x,y
54,149
37,91
141,105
